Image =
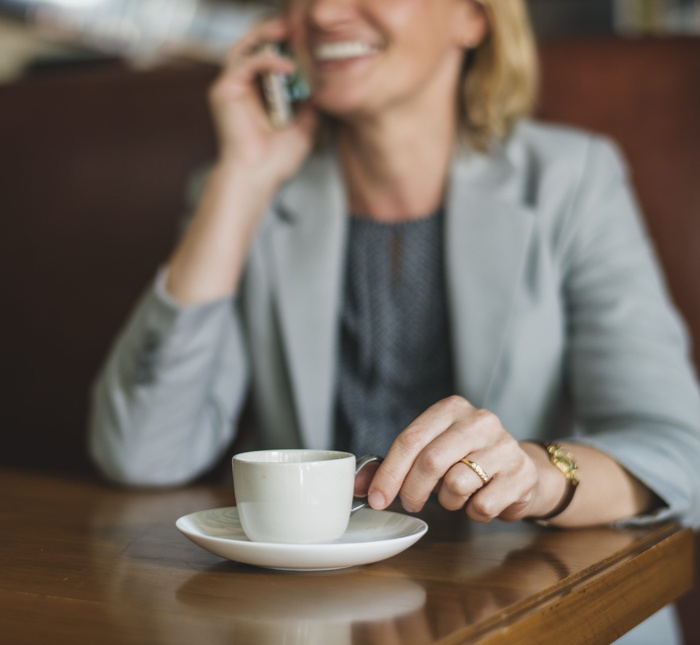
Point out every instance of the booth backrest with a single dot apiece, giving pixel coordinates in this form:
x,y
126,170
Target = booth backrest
x,y
93,168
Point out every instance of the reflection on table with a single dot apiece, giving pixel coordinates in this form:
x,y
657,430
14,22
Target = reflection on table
x,y
85,563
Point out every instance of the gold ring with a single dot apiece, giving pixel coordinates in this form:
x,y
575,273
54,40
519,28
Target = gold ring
x,y
477,469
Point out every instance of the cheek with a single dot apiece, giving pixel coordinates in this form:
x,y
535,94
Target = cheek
x,y
295,16
298,39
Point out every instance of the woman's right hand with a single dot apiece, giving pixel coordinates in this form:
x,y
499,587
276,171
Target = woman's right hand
x,y
255,158
247,139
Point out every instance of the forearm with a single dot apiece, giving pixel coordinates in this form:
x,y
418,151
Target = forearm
x,y
208,262
167,397
606,492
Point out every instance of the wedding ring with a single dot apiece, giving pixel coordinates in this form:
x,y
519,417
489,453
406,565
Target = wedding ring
x,y
477,469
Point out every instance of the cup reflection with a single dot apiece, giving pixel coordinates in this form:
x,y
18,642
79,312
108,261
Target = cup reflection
x,y
308,609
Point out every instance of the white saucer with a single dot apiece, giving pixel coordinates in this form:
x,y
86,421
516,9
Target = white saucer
x,y
371,536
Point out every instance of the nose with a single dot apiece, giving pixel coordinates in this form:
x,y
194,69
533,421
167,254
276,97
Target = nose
x,y
327,13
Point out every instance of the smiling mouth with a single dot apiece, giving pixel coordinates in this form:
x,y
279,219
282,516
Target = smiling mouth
x,y
343,50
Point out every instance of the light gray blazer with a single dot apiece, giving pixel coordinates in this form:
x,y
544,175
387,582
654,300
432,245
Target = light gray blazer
x,y
560,322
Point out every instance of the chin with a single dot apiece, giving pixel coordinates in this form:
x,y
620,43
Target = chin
x,y
342,108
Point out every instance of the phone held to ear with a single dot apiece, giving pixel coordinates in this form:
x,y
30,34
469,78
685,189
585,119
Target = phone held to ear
x,y
281,91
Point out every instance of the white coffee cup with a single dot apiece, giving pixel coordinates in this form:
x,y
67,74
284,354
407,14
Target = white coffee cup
x,y
296,496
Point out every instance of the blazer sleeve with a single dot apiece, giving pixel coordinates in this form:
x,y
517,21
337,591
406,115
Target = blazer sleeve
x,y
632,381
166,402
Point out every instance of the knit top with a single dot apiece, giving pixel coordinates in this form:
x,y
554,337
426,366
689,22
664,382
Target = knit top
x,y
394,358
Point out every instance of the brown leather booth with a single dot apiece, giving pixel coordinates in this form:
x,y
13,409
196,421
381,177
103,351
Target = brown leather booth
x,y
93,166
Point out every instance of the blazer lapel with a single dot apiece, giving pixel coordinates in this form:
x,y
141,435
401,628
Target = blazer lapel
x,y
308,248
488,231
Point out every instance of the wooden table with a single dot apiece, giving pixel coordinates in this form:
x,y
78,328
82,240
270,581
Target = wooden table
x,y
81,562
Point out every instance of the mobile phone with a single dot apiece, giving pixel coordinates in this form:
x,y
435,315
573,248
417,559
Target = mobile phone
x,y
282,91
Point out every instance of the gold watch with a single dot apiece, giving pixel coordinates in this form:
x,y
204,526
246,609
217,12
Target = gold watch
x,y
564,461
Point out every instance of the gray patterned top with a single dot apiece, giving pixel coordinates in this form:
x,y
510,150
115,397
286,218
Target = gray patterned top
x,y
394,351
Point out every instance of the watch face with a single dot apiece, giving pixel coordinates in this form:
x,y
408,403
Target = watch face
x,y
564,461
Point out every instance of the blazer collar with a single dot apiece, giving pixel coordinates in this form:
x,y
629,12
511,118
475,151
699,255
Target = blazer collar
x,y
308,259
487,234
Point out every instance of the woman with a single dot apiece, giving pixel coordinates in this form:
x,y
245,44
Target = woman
x,y
444,282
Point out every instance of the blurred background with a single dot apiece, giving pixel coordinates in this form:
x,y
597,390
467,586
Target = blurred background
x,y
103,122
45,32
36,33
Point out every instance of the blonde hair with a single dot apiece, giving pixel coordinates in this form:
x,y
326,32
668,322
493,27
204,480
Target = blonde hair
x,y
500,77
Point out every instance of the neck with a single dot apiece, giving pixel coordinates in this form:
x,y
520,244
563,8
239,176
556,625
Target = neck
x,y
395,170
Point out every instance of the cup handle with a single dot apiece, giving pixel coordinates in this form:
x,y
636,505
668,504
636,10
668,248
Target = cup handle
x,y
361,502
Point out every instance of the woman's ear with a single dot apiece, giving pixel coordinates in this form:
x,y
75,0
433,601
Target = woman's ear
x,y
472,25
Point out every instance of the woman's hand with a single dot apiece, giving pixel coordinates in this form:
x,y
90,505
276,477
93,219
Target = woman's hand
x,y
254,159
427,456
247,139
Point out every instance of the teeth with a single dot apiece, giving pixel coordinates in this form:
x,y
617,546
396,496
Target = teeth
x,y
340,50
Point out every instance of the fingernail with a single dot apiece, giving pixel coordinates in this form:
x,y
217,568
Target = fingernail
x,y
376,500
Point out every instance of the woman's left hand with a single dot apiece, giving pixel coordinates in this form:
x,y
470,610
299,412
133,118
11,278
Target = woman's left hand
x,y
427,457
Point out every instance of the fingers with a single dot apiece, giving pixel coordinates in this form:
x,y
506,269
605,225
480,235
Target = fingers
x,y
507,493
424,452
268,31
240,76
458,485
243,125
427,457
247,59
403,452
